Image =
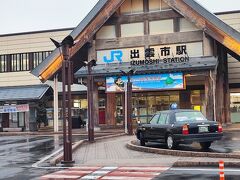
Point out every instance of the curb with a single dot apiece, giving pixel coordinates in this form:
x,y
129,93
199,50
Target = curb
x,y
132,145
43,133
205,164
59,157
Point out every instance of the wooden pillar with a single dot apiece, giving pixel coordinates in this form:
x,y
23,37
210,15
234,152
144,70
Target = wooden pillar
x,y
95,105
111,109
222,87
55,103
209,96
92,55
123,108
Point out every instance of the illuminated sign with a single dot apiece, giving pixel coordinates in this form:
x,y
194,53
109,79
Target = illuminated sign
x,y
150,82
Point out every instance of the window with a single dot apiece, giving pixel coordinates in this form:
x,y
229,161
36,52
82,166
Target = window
x,y
168,119
14,117
132,7
161,27
191,116
133,29
77,103
186,26
21,61
3,63
154,119
158,5
38,57
162,119
106,32
21,119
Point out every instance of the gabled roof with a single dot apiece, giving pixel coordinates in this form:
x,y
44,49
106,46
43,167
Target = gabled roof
x,y
209,23
104,9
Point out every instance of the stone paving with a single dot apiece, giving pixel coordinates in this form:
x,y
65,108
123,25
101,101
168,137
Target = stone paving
x,y
113,151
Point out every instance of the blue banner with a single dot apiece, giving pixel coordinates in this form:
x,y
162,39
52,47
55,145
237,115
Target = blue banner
x,y
150,82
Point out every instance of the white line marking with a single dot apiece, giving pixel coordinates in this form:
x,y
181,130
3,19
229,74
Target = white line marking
x,y
202,169
126,177
100,172
90,177
109,168
35,165
55,176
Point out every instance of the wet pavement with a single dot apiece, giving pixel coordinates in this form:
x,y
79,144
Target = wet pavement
x,y
18,153
198,174
230,143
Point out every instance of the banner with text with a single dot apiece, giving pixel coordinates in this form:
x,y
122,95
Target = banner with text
x,y
14,108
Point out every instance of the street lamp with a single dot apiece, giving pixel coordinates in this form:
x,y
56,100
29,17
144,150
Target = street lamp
x,y
128,102
67,80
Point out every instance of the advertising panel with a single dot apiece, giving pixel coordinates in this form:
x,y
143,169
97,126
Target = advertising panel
x,y
150,82
14,108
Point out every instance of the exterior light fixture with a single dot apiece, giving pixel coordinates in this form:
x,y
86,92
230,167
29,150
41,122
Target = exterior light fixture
x,y
40,78
67,80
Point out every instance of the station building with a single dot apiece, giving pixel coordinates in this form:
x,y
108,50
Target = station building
x,y
179,53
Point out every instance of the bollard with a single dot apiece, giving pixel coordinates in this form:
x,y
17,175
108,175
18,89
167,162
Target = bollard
x,y
221,170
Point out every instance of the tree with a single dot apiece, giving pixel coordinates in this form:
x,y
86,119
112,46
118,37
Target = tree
x,y
42,112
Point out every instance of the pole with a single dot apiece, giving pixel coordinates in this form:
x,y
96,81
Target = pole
x,y
66,103
129,106
90,104
55,121
126,110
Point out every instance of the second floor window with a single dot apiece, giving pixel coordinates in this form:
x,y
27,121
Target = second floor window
x,y
21,61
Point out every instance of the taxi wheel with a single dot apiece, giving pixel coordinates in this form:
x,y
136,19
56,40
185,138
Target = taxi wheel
x,y
171,144
205,145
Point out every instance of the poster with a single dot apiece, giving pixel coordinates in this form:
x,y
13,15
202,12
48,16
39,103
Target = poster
x,y
150,82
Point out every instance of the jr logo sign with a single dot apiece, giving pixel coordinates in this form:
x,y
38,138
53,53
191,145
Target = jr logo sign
x,y
115,55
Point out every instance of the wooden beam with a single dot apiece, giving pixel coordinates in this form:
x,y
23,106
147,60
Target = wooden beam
x,y
222,87
110,7
205,24
173,38
150,16
176,24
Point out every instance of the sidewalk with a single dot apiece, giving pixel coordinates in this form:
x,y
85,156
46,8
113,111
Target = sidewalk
x,y
113,152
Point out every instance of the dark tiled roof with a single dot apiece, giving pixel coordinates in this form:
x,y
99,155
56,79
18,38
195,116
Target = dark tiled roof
x,y
199,63
23,92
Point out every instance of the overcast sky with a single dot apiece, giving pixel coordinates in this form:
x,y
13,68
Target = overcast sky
x,y
34,15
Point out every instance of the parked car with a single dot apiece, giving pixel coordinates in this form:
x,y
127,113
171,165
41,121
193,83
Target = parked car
x,y
182,126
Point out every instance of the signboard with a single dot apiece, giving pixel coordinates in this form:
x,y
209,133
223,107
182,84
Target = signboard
x,y
14,108
174,53
150,82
